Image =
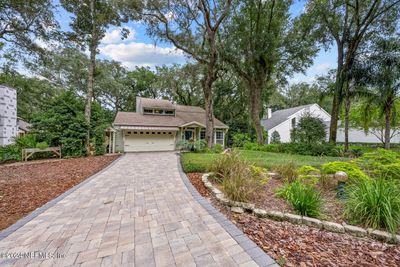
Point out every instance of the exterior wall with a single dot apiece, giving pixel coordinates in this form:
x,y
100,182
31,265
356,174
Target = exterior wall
x,y
8,115
285,128
119,140
358,136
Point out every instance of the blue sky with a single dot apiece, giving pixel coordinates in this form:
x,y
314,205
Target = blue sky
x,y
140,50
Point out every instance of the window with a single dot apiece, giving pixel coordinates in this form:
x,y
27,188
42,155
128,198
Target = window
x,y
202,135
141,132
164,133
158,111
169,112
293,122
188,135
219,137
169,133
135,132
148,111
147,132
129,132
153,133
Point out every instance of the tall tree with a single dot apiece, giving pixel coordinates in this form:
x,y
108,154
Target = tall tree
x,y
192,26
90,20
382,74
348,24
263,45
24,23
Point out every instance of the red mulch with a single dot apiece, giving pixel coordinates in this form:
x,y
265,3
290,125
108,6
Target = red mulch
x,y
25,187
300,245
195,179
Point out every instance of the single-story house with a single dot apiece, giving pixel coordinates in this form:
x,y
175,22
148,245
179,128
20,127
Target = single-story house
x,y
157,125
283,121
23,127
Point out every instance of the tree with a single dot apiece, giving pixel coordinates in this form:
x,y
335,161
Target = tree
x,y
23,23
263,45
62,123
381,73
193,28
349,24
89,24
275,137
181,83
309,130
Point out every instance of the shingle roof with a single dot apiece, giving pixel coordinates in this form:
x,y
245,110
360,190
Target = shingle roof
x,y
156,103
23,125
280,116
183,115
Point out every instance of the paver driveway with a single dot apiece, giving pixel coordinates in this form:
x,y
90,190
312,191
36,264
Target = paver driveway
x,y
137,212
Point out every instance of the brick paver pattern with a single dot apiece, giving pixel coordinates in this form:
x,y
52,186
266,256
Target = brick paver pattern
x,y
136,213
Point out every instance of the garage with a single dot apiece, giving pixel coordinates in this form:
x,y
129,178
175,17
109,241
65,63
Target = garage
x,y
140,141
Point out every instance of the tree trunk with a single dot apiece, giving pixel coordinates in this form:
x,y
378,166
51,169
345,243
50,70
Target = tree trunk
x,y
89,92
388,117
207,91
346,123
255,92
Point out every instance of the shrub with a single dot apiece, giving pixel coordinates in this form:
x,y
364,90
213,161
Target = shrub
x,y
239,139
13,151
375,203
240,181
308,179
327,181
217,148
305,199
390,171
309,130
307,169
287,171
381,163
42,145
275,138
275,148
353,171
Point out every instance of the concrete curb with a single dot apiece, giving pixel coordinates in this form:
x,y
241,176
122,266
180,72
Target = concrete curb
x,y
21,222
256,253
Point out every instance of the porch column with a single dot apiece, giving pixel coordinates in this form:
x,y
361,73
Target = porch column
x,y
113,142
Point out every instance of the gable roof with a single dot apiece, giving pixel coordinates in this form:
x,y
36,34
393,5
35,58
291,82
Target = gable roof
x,y
183,115
280,116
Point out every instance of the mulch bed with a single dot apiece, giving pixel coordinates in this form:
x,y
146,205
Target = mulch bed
x,y
299,245
25,187
195,179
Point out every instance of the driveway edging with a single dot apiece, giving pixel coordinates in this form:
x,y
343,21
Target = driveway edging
x,y
256,253
24,220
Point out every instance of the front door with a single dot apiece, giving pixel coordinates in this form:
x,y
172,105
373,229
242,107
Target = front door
x,y
189,135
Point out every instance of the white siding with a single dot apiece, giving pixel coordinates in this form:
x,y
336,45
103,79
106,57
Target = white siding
x,y
359,136
285,128
8,115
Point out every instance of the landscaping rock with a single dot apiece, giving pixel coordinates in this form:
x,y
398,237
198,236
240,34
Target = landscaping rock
x,y
293,218
222,198
208,185
312,222
215,190
354,230
333,227
383,236
246,206
260,213
341,176
275,215
238,210
204,178
272,174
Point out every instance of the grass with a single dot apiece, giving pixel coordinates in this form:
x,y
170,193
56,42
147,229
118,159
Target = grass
x,y
200,162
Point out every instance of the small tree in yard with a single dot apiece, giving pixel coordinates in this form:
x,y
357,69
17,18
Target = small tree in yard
x,y
309,130
275,138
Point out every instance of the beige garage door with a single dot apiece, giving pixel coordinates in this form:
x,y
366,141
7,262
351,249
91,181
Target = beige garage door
x,y
136,141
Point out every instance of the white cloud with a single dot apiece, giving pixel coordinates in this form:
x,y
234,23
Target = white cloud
x,y
323,67
114,36
141,54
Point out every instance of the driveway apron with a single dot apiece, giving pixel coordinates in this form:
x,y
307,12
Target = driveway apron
x,y
138,212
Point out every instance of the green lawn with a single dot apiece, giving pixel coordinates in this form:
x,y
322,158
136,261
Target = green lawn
x,y
199,162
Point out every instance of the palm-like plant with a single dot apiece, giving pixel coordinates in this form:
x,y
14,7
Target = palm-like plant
x,y
381,74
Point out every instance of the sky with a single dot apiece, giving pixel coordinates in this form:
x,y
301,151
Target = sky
x,y
141,50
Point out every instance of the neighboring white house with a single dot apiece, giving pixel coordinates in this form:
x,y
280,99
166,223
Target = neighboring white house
x,y
284,120
8,115
157,125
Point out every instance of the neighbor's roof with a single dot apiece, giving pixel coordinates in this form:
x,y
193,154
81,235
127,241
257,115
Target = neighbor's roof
x,y
183,115
280,116
23,125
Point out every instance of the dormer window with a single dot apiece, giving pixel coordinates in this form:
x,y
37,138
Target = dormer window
x,y
157,111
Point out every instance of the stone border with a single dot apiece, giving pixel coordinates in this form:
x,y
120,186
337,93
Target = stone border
x,y
24,220
255,252
240,207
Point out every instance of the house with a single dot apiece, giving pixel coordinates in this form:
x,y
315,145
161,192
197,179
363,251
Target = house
x,y
157,125
283,121
8,115
23,127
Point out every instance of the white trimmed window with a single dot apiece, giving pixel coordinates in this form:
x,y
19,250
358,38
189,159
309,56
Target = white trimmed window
x,y
219,137
202,135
